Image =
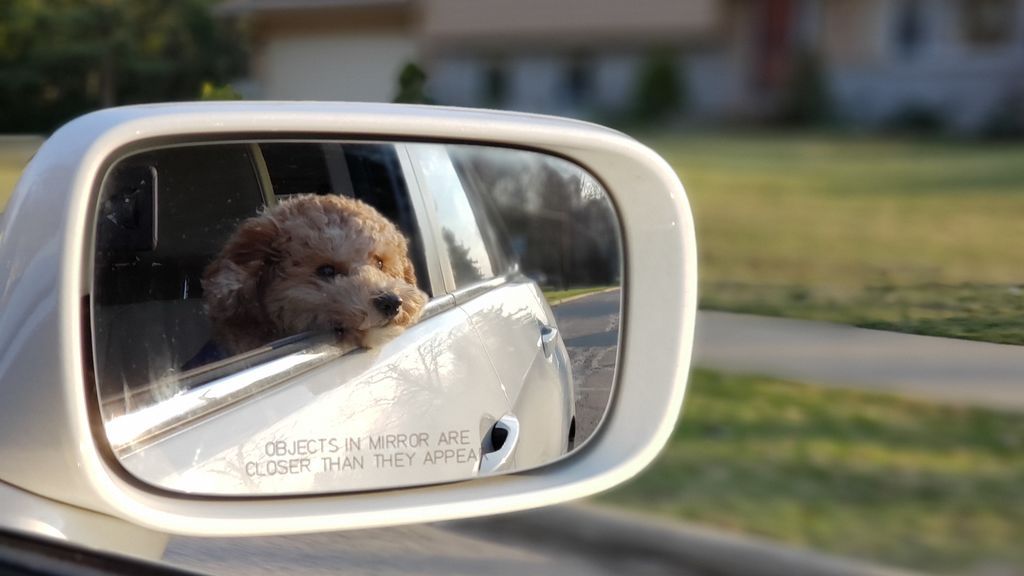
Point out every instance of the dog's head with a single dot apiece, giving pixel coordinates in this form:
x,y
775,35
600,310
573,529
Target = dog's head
x,y
312,263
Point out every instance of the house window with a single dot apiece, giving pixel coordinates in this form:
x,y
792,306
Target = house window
x,y
988,22
910,27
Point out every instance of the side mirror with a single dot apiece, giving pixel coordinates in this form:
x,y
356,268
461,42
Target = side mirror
x,y
315,316
336,311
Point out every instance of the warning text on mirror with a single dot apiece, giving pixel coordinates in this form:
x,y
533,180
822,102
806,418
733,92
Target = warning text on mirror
x,y
382,451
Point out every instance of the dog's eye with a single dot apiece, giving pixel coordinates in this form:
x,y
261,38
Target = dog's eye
x,y
326,271
379,262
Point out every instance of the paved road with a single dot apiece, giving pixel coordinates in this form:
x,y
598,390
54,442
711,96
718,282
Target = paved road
x,y
454,549
943,369
590,330
400,551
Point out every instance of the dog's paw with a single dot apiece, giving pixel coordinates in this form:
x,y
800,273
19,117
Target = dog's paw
x,y
377,337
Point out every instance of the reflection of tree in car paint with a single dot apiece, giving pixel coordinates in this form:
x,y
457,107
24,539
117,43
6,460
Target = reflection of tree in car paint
x,y
465,268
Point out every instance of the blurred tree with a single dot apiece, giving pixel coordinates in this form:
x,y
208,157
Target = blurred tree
x,y
62,58
412,85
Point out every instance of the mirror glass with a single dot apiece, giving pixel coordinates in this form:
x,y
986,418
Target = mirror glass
x,y
296,317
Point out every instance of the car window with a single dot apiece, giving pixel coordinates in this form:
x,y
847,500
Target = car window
x,y
559,238
156,231
476,167
468,254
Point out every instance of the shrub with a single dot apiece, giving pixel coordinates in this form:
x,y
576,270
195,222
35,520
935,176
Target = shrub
x,y
660,90
1006,119
412,83
806,100
918,119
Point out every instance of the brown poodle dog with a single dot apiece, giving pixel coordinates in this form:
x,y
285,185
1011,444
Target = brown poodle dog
x,y
312,263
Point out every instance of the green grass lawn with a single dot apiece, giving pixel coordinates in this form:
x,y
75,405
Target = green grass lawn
x,y
860,474
896,234
14,154
8,178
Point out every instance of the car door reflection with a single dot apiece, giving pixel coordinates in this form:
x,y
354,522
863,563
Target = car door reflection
x,y
415,411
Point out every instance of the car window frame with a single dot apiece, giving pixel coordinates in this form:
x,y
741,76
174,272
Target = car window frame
x,y
436,257
492,229
459,294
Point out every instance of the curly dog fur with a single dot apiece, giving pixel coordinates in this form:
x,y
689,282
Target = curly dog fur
x,y
312,263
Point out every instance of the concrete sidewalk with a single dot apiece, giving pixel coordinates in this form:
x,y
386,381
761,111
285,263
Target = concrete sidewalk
x,y
943,369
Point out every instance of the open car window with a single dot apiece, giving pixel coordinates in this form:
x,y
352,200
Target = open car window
x,y
158,228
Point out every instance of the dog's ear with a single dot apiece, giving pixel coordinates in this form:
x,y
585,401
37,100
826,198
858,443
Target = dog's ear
x,y
409,273
233,281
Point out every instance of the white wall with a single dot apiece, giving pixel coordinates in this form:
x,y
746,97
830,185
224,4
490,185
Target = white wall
x,y
457,81
614,78
534,83
716,86
539,82
333,67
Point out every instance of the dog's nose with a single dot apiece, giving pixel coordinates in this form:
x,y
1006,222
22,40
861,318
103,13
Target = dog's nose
x,y
387,304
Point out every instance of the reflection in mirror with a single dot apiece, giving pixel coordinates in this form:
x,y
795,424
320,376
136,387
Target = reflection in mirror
x,y
294,317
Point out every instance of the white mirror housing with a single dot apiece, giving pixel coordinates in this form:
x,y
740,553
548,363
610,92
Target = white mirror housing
x,y
53,444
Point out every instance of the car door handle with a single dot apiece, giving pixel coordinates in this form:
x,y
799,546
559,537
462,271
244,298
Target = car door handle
x,y
548,339
500,444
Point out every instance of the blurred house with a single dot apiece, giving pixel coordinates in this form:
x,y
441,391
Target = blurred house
x,y
962,60
733,59
327,49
